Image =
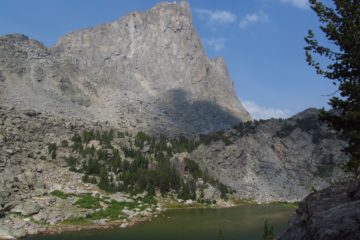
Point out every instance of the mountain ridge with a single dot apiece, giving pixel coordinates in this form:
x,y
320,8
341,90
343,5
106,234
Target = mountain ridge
x,y
145,71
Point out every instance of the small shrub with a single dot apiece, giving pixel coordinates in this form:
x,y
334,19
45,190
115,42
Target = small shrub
x,y
65,143
88,202
60,194
52,150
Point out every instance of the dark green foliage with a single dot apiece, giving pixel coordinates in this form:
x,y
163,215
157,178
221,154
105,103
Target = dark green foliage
x,y
286,129
182,144
245,128
52,150
87,136
311,125
185,192
268,233
223,190
60,194
71,162
88,151
77,143
104,179
64,143
93,167
134,174
209,138
129,152
121,135
188,190
87,201
106,138
104,182
193,168
141,138
87,179
168,178
341,26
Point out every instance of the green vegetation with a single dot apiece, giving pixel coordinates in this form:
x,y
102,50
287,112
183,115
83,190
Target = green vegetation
x,y
52,150
141,165
60,194
72,162
105,209
87,179
113,211
268,233
310,125
77,221
64,143
213,137
245,128
87,201
341,26
287,204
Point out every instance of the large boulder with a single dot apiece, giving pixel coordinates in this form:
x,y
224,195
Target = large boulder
x,y
26,209
330,214
5,233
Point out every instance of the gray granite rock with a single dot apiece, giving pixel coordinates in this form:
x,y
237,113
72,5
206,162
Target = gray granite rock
x,y
330,214
26,209
5,233
145,71
276,160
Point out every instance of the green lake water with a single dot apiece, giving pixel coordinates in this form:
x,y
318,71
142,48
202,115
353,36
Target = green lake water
x,y
244,222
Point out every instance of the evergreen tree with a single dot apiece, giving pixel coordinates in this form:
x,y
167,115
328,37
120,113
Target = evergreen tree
x,y
268,233
341,26
104,180
52,150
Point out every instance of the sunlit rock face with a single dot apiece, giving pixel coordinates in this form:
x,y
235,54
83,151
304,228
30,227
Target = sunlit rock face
x,y
145,71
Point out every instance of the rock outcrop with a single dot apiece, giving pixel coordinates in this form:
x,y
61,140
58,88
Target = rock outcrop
x,y
330,214
275,160
146,71
29,176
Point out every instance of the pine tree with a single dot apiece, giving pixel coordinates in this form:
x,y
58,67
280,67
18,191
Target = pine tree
x,y
104,180
341,26
268,233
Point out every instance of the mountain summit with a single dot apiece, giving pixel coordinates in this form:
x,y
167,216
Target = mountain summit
x,y
145,71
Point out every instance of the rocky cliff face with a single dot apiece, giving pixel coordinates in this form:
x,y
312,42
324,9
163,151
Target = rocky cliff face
x,y
330,214
144,71
275,160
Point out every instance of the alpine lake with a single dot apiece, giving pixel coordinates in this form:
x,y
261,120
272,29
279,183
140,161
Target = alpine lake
x,y
244,222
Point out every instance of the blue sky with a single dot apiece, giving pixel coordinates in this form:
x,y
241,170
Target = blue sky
x,y
261,40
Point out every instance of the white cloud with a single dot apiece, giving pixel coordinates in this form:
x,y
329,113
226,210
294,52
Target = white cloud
x,y
261,112
303,4
257,17
216,17
215,43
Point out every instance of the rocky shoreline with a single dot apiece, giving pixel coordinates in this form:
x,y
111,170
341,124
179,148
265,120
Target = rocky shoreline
x,y
7,233
16,227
